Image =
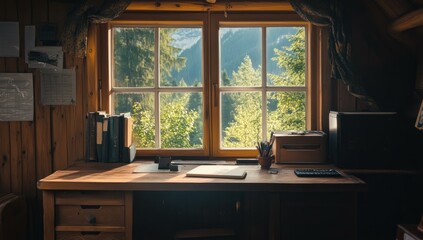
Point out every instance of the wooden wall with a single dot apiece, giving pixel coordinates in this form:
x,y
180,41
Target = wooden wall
x,y
32,150
54,140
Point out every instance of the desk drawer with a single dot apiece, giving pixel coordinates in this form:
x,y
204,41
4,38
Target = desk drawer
x,y
89,236
89,198
90,215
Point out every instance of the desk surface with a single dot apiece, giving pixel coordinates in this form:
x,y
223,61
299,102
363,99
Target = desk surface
x,y
111,176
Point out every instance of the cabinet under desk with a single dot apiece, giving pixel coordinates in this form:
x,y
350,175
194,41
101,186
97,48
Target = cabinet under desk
x,y
98,200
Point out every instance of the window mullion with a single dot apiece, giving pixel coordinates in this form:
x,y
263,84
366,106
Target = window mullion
x,y
156,86
264,83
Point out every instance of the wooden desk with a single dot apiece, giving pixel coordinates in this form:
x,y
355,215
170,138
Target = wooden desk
x,y
74,196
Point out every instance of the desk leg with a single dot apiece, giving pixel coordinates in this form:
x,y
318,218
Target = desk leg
x,y
128,215
274,217
354,214
48,209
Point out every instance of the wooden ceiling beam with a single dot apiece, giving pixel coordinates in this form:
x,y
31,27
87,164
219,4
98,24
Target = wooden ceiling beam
x,y
204,6
394,8
410,20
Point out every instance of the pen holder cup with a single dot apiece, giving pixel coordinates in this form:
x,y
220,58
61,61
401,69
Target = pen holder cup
x,y
265,162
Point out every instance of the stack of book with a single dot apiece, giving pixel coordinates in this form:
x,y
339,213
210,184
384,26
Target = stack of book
x,y
109,137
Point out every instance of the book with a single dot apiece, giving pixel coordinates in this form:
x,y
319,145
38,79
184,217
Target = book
x,y
90,137
99,120
125,137
128,126
128,153
114,148
105,141
218,171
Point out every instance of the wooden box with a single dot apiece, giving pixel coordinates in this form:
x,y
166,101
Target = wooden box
x,y
299,147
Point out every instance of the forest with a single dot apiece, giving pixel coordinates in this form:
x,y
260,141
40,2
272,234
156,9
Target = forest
x,y
160,82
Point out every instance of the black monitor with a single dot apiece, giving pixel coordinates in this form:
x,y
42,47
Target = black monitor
x,y
363,139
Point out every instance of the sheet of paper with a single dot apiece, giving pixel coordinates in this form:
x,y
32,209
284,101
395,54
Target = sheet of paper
x,y
29,40
58,87
16,97
218,171
9,39
46,57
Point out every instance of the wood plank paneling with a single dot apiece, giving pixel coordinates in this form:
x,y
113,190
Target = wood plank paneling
x,y
61,115
16,157
27,128
77,149
4,156
15,133
42,113
92,68
4,130
59,137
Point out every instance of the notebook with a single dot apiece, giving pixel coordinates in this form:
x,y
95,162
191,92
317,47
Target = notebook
x,y
218,171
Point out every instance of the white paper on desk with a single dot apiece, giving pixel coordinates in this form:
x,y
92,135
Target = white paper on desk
x,y
218,171
16,97
9,39
46,57
29,40
58,87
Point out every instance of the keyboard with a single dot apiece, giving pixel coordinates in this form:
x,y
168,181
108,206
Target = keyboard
x,y
313,172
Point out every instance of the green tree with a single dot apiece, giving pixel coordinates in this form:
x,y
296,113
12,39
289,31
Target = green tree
x,y
245,129
195,103
144,126
227,103
169,58
177,121
290,109
134,65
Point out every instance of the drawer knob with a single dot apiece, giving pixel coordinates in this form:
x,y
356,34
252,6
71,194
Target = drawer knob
x,y
91,219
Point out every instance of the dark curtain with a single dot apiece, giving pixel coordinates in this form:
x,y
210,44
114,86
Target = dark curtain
x,y
332,14
329,13
74,35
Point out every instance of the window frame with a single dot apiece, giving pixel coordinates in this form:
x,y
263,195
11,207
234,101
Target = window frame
x,y
316,71
164,20
243,19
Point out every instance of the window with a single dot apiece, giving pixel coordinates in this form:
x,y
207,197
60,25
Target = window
x,y
210,85
262,83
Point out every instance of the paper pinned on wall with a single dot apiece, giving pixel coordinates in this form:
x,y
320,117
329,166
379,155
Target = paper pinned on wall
x,y
16,97
9,39
58,87
46,57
